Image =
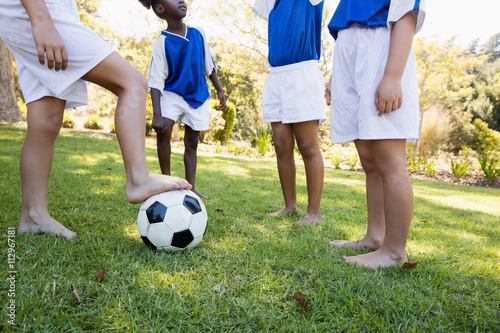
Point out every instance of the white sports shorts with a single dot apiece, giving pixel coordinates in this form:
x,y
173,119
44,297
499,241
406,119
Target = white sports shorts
x,y
85,50
294,94
358,67
174,107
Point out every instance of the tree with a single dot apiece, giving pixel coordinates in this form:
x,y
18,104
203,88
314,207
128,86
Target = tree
x,y
9,110
446,75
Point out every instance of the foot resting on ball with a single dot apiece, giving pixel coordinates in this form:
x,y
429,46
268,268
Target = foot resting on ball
x,y
152,184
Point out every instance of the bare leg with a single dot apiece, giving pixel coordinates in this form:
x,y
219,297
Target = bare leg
x,y
164,148
284,143
389,157
118,76
45,117
375,201
307,141
191,157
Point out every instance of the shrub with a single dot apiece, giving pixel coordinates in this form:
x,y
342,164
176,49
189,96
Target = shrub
x,y
461,132
490,166
93,123
149,126
352,162
485,139
412,162
68,122
229,116
459,167
428,166
216,124
263,140
336,160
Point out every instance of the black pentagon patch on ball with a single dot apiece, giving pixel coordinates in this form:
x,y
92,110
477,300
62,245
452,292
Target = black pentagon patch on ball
x,y
182,239
192,204
148,243
156,212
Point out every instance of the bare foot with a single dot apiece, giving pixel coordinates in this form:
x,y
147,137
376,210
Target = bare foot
x,y
154,184
307,220
360,244
46,225
283,212
379,258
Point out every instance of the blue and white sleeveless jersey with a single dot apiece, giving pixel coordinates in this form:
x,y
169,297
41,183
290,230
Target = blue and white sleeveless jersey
x,y
373,14
294,29
179,65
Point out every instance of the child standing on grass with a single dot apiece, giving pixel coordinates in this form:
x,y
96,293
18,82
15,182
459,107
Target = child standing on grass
x,y
181,60
374,102
54,51
292,99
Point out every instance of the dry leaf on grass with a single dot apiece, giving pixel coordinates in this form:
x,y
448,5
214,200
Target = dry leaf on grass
x,y
75,295
409,265
100,275
301,298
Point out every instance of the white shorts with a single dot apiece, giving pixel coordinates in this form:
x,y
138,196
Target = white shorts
x,y
294,94
358,67
85,50
174,107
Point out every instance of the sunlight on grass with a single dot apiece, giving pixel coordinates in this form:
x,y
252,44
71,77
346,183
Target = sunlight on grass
x,y
456,199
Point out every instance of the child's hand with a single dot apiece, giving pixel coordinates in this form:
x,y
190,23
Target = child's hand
x,y
159,124
389,95
222,100
50,46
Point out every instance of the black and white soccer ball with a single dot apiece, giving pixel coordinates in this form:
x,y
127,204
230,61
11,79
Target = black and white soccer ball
x,y
172,221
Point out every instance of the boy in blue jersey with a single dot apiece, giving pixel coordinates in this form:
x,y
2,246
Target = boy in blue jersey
x,y
374,102
55,54
181,60
292,99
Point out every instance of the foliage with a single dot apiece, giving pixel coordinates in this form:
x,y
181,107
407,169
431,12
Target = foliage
x,y
244,274
228,114
459,167
352,162
336,160
428,166
490,165
68,121
93,122
485,139
461,131
412,161
263,140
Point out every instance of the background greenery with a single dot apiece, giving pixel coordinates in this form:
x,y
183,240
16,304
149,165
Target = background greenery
x,y
243,276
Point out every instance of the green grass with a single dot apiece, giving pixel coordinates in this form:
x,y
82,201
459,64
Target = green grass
x,y
243,276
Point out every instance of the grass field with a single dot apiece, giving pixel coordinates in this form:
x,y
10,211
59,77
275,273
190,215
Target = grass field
x,y
243,276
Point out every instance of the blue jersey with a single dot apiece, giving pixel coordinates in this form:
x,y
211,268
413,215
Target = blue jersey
x,y
372,14
179,65
294,31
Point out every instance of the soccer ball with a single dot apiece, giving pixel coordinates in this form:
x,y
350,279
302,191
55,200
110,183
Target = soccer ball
x,y
172,221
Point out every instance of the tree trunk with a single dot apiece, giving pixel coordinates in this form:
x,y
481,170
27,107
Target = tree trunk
x,y
9,110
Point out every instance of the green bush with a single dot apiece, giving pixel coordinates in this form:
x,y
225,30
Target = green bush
x,y
93,123
229,116
459,167
485,139
68,122
490,165
412,161
263,139
428,166
149,126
